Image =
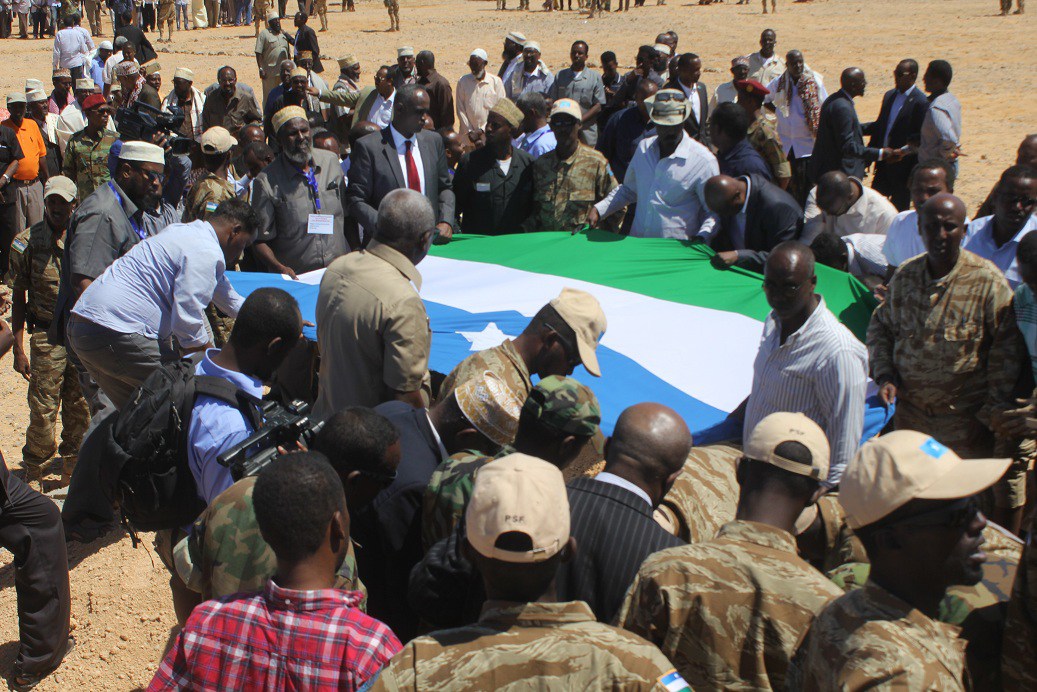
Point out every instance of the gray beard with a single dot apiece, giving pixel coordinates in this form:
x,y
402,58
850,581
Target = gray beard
x,y
300,156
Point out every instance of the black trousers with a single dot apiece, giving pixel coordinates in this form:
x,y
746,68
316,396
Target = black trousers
x,y
30,527
802,181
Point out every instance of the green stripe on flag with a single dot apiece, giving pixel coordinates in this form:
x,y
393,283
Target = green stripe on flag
x,y
666,269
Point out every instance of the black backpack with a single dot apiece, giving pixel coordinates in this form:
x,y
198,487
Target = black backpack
x,y
145,471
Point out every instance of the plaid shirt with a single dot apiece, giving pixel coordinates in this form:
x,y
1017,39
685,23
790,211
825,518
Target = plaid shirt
x,y
277,640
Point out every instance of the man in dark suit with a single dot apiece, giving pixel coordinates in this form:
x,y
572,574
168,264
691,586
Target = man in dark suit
x,y
689,69
612,512
840,140
899,124
755,215
401,155
144,50
306,39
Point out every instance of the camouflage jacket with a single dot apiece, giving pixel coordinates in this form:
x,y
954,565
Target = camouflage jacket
x,y
951,346
564,191
448,492
763,137
205,195
35,267
544,646
86,161
225,554
841,546
728,612
705,494
869,639
501,360
1020,641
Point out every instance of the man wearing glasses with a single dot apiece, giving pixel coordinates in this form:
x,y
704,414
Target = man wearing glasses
x,y
808,361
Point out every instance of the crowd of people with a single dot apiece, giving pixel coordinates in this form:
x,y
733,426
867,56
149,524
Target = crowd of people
x,y
478,528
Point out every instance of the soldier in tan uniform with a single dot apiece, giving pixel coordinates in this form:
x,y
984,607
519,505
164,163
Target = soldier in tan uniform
x,y
570,179
824,538
33,277
911,501
728,612
705,495
214,187
762,134
517,528
393,7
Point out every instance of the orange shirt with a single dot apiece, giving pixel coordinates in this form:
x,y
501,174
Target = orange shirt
x,y
33,147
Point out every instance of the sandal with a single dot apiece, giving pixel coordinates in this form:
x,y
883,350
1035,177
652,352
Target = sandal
x,y
20,682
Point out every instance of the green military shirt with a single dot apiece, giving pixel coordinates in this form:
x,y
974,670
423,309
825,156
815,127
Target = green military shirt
x,y
86,160
763,137
564,191
206,194
525,646
728,612
35,267
869,639
448,492
503,361
225,553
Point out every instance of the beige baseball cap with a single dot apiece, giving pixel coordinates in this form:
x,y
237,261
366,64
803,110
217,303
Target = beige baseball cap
x,y
583,313
183,73
569,107
405,52
778,428
668,107
518,494
216,140
491,406
62,187
890,471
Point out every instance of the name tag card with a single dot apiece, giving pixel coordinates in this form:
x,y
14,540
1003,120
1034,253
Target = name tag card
x,y
321,224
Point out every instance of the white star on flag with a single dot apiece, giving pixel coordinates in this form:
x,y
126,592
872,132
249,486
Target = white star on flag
x,y
489,337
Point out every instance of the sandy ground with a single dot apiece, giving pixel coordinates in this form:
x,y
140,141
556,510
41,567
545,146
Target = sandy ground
x,y
121,610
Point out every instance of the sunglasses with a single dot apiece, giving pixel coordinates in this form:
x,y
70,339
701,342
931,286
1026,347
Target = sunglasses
x,y
152,176
571,352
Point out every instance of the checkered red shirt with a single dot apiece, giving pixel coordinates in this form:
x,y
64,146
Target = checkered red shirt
x,y
277,640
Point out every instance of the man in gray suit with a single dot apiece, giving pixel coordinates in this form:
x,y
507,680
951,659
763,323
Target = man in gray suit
x,y
402,155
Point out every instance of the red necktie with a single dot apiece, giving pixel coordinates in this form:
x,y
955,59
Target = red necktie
x,y
413,181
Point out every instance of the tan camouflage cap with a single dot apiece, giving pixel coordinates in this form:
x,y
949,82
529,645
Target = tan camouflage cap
x,y
778,428
491,406
890,471
564,405
518,494
61,186
583,313
216,140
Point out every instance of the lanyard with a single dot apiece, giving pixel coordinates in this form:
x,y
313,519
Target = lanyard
x,y
137,228
311,180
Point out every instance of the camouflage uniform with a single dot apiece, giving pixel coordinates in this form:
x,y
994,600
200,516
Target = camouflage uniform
x,y
35,267
869,639
728,612
205,195
503,360
952,347
224,552
547,646
705,495
93,15
564,191
320,8
763,137
560,404
977,610
1019,654
86,161
841,546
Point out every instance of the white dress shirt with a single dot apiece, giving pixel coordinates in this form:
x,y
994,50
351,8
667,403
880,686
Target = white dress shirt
x,y
162,286
381,110
109,66
668,192
401,151
475,97
871,213
821,371
72,45
690,93
903,239
619,482
864,255
793,131
979,239
725,93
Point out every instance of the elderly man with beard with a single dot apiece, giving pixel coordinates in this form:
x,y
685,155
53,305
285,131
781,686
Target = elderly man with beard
x,y
298,198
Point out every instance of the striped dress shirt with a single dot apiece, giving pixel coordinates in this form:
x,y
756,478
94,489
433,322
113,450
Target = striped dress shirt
x,y
821,371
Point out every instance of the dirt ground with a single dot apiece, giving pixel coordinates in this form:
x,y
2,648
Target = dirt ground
x,y
120,606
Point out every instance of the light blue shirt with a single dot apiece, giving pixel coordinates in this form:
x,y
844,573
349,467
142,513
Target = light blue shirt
x,y
97,70
539,80
613,479
979,239
539,142
161,287
216,426
1026,318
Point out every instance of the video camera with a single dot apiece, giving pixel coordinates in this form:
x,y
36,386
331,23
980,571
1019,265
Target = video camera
x,y
141,122
283,428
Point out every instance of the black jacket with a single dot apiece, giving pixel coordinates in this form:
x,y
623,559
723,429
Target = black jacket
x,y
614,532
135,36
489,201
307,40
840,140
772,216
891,178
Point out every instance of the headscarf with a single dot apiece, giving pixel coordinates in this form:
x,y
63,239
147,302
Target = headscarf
x,y
809,94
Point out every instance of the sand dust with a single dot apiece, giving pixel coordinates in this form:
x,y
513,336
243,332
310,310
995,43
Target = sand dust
x,y
120,605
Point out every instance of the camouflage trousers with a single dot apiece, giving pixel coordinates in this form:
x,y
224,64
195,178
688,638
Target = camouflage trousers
x,y
219,325
320,8
54,385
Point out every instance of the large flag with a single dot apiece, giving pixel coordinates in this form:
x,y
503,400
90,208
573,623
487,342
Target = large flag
x,y
680,331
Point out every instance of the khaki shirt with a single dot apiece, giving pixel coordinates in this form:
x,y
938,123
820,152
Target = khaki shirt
x,y
544,646
372,330
705,495
728,612
871,639
272,49
951,346
205,196
564,191
240,109
503,360
35,268
763,136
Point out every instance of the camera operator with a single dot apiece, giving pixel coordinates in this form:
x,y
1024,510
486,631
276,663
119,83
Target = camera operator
x,y
142,123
